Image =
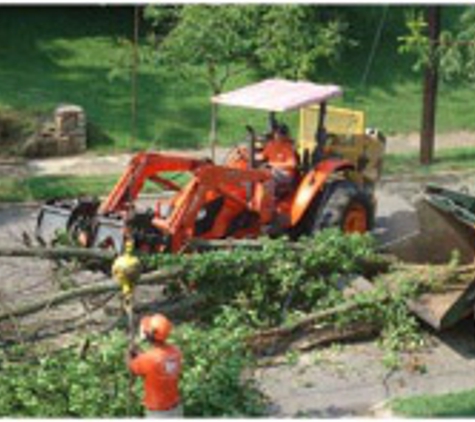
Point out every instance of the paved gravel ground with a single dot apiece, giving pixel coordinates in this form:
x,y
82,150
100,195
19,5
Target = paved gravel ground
x,y
352,380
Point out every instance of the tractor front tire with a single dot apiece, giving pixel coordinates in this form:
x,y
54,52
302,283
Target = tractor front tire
x,y
346,207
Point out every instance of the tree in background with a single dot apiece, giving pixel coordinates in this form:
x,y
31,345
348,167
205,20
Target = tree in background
x,y
293,40
211,42
454,52
448,53
219,42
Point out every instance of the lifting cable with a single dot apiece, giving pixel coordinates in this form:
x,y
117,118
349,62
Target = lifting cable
x,y
126,271
376,40
128,306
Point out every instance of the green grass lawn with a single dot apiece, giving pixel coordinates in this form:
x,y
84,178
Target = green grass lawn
x,y
450,159
451,405
41,188
50,55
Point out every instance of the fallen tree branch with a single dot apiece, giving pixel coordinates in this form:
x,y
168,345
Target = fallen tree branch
x,y
379,263
160,277
272,334
328,334
82,254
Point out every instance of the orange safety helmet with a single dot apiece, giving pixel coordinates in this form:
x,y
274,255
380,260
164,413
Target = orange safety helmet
x,y
155,327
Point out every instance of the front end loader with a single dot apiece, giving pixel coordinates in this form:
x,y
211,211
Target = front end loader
x,y
274,185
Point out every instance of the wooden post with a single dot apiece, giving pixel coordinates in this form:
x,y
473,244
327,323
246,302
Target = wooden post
x,y
214,130
430,89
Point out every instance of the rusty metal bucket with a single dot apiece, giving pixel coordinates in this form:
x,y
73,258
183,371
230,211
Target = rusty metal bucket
x,y
446,227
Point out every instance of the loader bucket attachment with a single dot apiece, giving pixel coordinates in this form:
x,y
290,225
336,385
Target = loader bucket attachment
x,y
67,217
110,233
442,310
446,226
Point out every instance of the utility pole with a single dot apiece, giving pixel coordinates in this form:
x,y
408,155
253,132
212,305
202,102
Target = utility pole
x,y
430,88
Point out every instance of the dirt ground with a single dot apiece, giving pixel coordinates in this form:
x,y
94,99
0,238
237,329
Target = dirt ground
x,y
410,142
348,380
88,164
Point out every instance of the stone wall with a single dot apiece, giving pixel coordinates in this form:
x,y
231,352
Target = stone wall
x,y
63,134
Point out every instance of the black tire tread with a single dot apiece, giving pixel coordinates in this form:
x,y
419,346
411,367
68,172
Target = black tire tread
x,y
340,195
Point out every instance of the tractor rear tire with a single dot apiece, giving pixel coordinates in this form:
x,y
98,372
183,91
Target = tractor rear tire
x,y
346,207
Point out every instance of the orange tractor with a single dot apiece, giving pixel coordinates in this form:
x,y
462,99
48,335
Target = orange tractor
x,y
273,186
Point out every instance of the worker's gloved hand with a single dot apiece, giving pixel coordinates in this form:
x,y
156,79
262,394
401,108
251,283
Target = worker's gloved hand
x,y
130,354
133,351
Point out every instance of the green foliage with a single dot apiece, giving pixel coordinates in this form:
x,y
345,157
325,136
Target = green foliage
x,y
275,285
289,46
400,328
214,39
15,128
415,42
215,358
222,40
387,309
271,283
62,384
162,19
453,54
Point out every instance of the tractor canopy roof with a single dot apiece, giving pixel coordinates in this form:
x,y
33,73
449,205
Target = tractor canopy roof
x,y
278,95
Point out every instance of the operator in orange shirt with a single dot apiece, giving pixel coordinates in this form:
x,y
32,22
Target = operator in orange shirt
x,y
160,368
279,153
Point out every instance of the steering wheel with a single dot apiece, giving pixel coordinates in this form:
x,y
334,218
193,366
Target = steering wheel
x,y
251,133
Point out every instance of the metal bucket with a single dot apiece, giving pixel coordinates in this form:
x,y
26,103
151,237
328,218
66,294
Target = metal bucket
x,y
68,217
446,229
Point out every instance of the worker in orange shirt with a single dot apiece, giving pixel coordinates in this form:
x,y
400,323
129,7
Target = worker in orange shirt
x,y
160,368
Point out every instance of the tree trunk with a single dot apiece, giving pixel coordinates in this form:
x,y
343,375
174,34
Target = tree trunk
x,y
57,253
430,89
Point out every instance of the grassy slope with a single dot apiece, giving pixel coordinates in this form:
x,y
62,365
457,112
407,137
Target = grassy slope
x,y
50,55
41,188
47,187
450,159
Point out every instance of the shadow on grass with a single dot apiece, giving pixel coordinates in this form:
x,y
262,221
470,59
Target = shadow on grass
x,y
55,54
